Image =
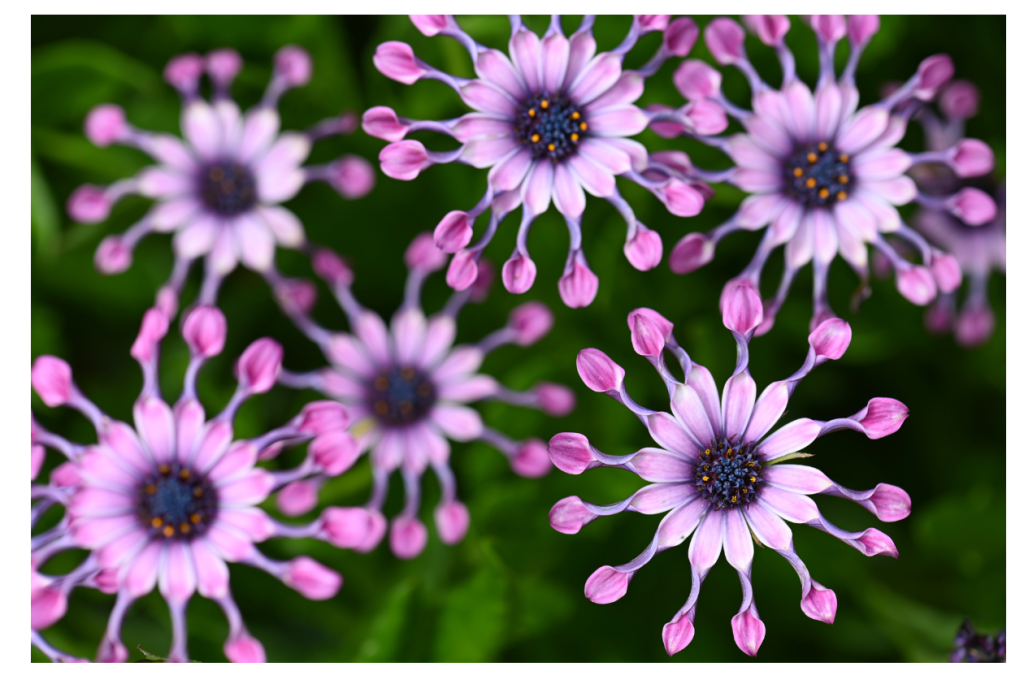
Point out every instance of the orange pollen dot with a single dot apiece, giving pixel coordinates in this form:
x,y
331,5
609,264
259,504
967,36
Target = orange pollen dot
x,y
708,451
575,114
733,499
408,373
168,531
798,172
532,113
195,518
535,137
843,179
157,522
423,390
811,183
164,469
197,492
823,146
405,407
185,527
705,477
574,137
381,407
841,196
583,126
381,383
185,474
551,147
823,193
753,479
844,157
544,104
812,157
150,489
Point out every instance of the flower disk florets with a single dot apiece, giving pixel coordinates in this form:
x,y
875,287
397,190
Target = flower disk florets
x,y
817,175
551,126
227,188
176,503
728,475
401,395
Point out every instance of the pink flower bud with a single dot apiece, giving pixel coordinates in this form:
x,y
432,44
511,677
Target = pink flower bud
x,y
663,325
430,24
404,160
555,400
382,122
204,331
932,74
518,275
695,79
742,310
606,585
570,452
578,287
598,372
106,581
322,417
111,651
353,177
648,339
972,158
862,28
831,338
648,23
298,294
183,72
959,100
677,635
708,118
330,267
167,301
771,29
66,475
748,632
51,379
88,204
245,649
644,250
676,159
939,319
890,503
452,520
829,28
223,65
683,200
916,284
397,61
819,603
453,232
724,38
48,606
462,270
877,542
690,253
975,326
680,36
334,452
665,129
346,527
258,366
531,322
483,281
105,124
408,537
113,255
38,457
569,515
298,498
531,459
293,65
375,533
945,271
882,417
424,255
312,579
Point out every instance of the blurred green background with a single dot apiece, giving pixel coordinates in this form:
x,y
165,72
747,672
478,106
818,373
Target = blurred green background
x,y
513,589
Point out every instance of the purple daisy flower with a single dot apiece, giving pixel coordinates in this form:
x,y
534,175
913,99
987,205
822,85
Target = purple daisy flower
x,y
824,176
406,388
551,120
978,249
718,473
220,189
169,501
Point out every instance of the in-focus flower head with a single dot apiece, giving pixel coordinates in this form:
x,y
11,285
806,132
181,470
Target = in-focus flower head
x,y
979,249
824,176
406,388
972,647
718,473
218,189
169,501
550,120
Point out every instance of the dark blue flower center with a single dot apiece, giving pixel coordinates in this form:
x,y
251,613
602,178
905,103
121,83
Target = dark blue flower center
x,y
176,503
227,188
728,474
817,175
401,395
550,125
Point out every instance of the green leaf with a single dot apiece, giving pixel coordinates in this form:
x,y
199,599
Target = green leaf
x,y
45,218
471,628
384,637
102,58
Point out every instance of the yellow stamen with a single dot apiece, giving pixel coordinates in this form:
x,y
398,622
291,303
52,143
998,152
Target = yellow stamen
x,y
823,146
532,113
844,157
195,518
150,489
843,179
185,474
164,469
535,137
733,499
708,451
197,492
798,172
705,478
811,183
184,527
823,193
753,479
728,453
544,104
574,137
841,196
157,522
812,157
168,531
575,115
551,147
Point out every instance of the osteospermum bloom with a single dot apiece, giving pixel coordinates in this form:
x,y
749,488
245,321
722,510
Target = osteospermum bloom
x,y
717,474
220,188
551,120
406,388
824,176
169,501
978,249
